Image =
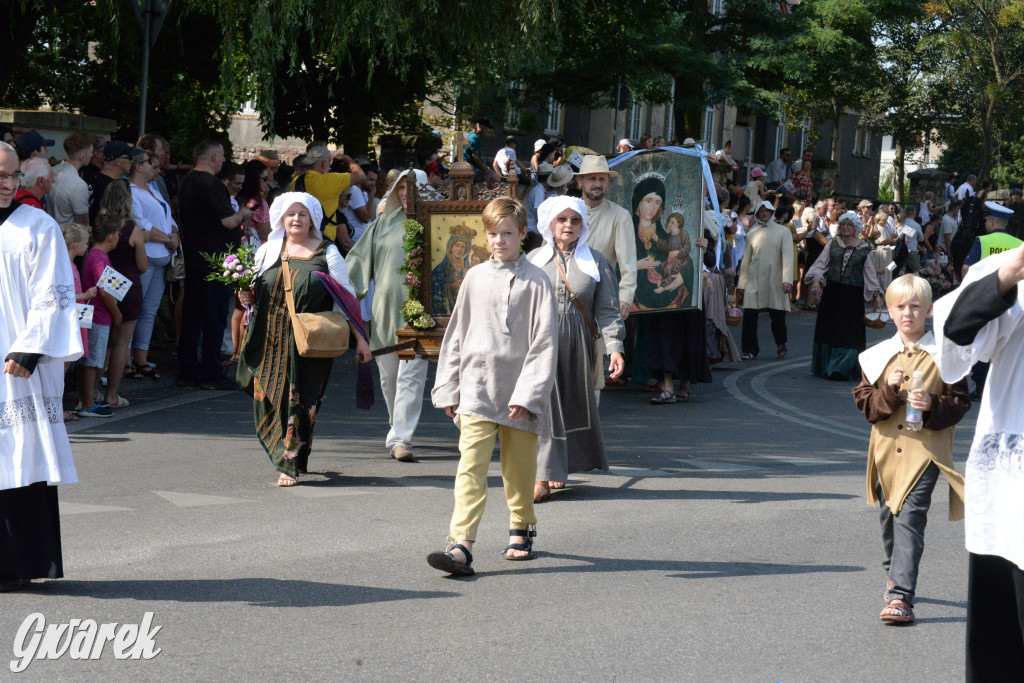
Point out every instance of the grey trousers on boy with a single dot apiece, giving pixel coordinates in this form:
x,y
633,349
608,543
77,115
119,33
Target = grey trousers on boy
x,y
903,535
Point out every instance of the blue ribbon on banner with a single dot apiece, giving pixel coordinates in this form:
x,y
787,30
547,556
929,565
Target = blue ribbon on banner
x,y
697,151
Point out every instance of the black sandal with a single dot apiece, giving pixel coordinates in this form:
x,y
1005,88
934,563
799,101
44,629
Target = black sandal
x,y
446,562
529,535
664,397
147,372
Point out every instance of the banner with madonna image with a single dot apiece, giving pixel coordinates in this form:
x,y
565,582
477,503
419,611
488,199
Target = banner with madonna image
x,y
663,190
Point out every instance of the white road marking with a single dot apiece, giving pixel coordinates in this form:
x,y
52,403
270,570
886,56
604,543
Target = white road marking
x,y
789,413
84,509
710,466
636,472
186,500
324,491
800,462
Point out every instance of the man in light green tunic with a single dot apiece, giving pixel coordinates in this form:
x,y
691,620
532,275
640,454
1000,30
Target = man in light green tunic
x,y
377,257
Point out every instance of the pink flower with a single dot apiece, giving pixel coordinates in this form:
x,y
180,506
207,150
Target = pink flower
x,y
412,280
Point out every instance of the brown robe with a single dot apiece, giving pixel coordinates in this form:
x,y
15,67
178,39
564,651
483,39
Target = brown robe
x,y
898,456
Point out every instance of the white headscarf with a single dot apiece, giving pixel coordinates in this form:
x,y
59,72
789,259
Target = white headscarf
x,y
271,249
546,213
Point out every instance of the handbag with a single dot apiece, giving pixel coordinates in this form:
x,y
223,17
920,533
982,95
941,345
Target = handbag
x,y
176,268
317,335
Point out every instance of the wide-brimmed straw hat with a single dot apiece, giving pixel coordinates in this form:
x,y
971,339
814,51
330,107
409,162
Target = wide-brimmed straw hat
x,y
560,176
595,163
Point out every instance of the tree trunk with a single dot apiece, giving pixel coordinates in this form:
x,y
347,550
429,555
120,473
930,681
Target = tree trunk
x,y
986,145
688,107
898,167
355,136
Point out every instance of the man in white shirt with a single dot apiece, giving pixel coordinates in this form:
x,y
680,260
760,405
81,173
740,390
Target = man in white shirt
x,y
68,200
505,156
611,226
778,171
967,189
357,213
948,226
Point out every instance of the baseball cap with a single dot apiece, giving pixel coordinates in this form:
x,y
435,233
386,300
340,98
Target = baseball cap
x,y
756,173
625,142
31,141
118,148
435,167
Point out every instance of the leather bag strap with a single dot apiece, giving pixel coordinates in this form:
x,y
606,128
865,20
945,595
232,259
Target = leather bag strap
x,y
573,299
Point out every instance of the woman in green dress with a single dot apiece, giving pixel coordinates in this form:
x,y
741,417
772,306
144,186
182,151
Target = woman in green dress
x,y
287,389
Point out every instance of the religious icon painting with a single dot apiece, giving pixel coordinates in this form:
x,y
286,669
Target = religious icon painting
x,y
113,283
663,191
454,233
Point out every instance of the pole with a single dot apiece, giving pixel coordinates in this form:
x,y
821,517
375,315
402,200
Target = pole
x,y
146,26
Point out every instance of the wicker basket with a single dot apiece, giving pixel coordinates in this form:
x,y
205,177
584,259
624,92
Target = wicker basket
x,y
876,319
733,316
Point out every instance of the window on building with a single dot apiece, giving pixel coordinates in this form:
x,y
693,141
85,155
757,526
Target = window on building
x,y
805,133
249,108
865,142
513,107
716,7
708,126
553,124
636,121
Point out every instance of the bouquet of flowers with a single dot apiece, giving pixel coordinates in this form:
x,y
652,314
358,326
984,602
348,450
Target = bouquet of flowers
x,y
413,311
236,268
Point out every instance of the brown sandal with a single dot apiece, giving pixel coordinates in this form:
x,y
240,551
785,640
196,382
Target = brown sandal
x,y
541,491
904,613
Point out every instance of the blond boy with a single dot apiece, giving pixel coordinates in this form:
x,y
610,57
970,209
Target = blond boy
x,y
904,465
494,377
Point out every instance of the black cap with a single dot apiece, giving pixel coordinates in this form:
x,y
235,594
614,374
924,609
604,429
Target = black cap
x,y
31,141
118,148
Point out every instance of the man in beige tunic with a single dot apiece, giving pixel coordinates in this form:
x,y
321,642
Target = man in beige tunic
x,y
611,233
611,228
766,276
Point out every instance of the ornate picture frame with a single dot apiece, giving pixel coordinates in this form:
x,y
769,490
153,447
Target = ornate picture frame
x,y
454,242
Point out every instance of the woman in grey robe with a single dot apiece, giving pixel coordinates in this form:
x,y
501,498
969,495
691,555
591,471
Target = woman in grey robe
x,y
587,294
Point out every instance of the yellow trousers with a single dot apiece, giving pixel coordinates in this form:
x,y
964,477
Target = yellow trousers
x,y
518,469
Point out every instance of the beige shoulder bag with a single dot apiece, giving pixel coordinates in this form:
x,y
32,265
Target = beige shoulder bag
x,y
317,335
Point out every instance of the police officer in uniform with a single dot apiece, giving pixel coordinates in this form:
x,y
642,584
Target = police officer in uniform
x,y
994,241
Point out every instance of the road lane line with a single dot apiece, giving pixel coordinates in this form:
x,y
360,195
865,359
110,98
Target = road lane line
x,y
731,385
144,409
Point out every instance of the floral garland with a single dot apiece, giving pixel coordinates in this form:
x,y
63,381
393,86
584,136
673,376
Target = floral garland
x,y
413,312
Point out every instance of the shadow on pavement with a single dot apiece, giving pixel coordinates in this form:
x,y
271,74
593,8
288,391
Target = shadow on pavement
x,y
681,569
627,493
258,592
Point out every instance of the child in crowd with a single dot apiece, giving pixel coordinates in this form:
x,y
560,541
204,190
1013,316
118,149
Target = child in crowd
x,y
904,465
494,378
105,236
76,238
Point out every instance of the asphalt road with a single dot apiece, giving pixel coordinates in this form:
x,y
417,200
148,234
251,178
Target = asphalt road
x,y
730,542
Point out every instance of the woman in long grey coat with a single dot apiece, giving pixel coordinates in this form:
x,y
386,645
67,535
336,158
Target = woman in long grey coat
x,y
588,306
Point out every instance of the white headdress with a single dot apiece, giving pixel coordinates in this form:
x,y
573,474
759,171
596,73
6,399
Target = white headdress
x,y
275,242
546,214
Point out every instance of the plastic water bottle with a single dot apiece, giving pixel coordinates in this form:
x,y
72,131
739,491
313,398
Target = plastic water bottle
x,y
915,418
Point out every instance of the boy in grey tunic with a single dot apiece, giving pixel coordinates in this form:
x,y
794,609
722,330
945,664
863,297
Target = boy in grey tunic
x,y
494,377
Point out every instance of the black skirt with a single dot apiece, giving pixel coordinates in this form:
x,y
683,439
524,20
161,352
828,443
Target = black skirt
x,y
678,346
30,533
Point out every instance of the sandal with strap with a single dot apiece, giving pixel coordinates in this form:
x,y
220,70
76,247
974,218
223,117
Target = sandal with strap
x,y
529,535
446,562
904,613
664,397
